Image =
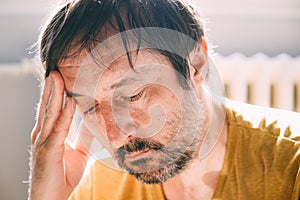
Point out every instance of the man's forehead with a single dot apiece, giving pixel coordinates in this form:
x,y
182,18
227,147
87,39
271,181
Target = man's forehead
x,y
82,67
97,60
127,83
83,77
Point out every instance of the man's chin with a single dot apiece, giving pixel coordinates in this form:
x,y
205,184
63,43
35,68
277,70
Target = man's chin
x,y
153,177
160,168
160,175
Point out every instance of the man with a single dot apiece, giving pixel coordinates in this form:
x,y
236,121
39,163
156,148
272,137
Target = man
x,y
139,74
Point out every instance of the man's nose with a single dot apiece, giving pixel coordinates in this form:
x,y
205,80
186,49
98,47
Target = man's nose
x,y
119,133
119,127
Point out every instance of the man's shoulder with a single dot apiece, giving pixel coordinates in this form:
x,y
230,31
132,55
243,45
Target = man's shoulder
x,y
265,131
263,148
280,122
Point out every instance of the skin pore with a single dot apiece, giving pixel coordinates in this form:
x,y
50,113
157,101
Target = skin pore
x,y
151,156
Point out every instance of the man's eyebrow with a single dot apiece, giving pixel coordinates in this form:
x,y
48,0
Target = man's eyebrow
x,y
124,82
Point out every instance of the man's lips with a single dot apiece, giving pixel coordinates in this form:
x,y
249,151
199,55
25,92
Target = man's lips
x,y
138,154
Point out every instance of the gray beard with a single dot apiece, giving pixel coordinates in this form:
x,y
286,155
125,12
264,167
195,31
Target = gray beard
x,y
167,169
165,162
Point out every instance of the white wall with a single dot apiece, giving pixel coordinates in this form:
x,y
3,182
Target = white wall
x,y
248,26
20,22
251,26
19,96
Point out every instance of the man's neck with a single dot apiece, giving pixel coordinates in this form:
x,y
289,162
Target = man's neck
x,y
199,180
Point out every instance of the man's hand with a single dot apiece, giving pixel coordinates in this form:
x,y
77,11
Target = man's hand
x,y
56,168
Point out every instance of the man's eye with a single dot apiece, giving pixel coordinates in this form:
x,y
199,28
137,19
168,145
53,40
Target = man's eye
x,y
135,97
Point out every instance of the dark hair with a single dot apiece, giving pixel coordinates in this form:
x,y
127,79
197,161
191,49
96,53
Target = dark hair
x,y
82,22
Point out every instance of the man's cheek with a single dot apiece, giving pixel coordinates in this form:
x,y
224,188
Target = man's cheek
x,y
140,116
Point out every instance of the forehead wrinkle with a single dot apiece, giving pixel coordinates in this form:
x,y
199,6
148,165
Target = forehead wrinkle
x,y
125,82
138,59
119,66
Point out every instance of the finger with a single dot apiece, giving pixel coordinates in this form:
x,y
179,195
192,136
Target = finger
x,y
54,109
47,88
63,125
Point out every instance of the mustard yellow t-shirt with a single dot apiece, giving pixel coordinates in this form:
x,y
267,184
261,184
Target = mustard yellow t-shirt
x,y
259,164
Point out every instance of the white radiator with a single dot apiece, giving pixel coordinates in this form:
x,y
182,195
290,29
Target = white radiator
x,y
261,80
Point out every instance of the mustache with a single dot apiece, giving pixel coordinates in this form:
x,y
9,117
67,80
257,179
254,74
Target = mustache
x,y
138,144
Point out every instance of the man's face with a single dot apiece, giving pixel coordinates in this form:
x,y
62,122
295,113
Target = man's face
x,y
149,123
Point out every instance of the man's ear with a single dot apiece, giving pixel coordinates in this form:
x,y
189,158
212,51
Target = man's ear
x,y
199,62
